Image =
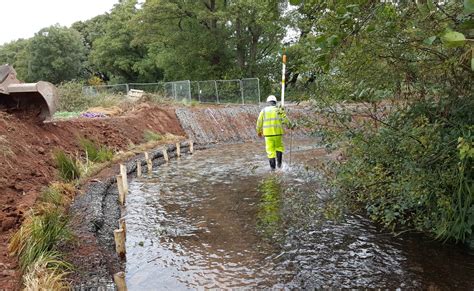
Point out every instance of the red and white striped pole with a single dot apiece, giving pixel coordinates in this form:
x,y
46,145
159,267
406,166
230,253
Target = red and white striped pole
x,y
283,70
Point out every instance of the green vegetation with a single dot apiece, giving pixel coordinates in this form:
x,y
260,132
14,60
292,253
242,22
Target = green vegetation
x,y
73,100
37,242
67,166
95,153
47,273
413,168
149,135
39,235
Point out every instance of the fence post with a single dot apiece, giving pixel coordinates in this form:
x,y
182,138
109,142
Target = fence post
x,y
258,89
127,88
242,91
173,88
189,91
217,91
199,92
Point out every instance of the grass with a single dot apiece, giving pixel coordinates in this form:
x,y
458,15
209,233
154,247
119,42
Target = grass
x,y
95,153
149,135
67,166
66,114
58,194
41,232
47,273
72,99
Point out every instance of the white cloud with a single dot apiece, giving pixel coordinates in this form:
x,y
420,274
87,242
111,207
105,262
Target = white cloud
x,y
23,18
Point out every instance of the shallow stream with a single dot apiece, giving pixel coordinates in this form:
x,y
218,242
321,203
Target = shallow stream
x,y
220,219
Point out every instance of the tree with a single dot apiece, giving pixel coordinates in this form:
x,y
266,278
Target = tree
x,y
15,53
115,52
55,54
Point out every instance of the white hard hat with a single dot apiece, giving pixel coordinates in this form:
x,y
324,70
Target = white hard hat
x,y
271,98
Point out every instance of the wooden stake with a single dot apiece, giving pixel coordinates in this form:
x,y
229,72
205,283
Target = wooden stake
x,y
120,189
123,172
178,150
123,226
165,155
191,146
139,168
119,235
119,279
149,163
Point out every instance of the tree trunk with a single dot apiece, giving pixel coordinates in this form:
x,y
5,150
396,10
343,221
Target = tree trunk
x,y
240,44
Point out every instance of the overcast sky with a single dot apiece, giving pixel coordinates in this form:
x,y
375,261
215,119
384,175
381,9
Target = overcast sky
x,y
23,18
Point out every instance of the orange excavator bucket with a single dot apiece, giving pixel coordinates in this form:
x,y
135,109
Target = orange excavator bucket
x,y
36,100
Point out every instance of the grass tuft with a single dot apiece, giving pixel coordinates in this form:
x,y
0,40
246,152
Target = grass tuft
x,y
149,135
47,273
95,153
67,166
58,194
41,232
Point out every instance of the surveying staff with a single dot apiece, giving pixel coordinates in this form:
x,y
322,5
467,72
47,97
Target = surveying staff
x,y
270,125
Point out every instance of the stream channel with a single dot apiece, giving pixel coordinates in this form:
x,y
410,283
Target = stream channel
x,y
220,219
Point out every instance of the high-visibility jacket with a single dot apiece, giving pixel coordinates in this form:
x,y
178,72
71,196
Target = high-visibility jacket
x,y
270,121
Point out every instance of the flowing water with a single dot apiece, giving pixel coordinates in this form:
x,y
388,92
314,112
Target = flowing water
x,y
220,219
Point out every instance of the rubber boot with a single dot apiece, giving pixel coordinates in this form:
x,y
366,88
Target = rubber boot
x,y
279,159
272,163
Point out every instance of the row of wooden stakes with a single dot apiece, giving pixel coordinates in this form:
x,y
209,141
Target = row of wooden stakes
x,y
122,184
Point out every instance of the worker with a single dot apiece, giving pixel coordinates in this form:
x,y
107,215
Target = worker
x,y
270,125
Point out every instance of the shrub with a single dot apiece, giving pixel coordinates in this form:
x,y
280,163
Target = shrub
x,y
149,135
71,98
67,166
416,171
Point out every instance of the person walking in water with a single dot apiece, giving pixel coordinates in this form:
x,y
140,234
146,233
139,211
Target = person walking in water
x,y
270,125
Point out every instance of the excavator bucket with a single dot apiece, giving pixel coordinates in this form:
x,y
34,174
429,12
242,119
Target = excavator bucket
x,y
36,100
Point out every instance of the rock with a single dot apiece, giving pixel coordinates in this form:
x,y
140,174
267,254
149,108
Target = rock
x,y
40,150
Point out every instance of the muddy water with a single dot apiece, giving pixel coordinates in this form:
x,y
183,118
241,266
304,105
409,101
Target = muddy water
x,y
219,219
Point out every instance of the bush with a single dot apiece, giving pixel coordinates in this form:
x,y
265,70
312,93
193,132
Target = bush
x,y
72,99
67,166
149,135
416,171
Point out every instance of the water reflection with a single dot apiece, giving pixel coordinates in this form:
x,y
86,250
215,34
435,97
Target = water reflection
x,y
269,208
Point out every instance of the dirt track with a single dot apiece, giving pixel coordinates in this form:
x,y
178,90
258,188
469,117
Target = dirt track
x,y
26,162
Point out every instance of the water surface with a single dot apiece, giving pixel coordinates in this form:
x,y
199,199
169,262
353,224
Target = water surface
x,y
220,219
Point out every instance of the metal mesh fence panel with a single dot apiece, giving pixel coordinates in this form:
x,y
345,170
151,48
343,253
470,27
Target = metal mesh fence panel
x,y
178,90
230,91
251,90
245,91
205,91
105,89
154,88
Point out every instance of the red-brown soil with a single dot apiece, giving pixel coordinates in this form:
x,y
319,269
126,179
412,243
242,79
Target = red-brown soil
x,y
27,166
